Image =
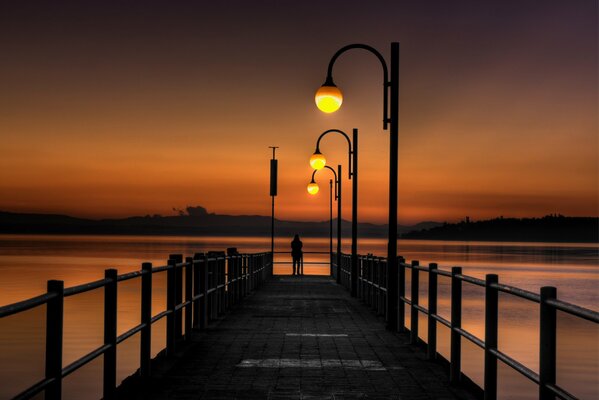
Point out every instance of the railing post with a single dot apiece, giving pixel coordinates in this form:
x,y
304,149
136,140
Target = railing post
x,y
146,318
210,297
547,343
188,295
239,276
256,262
370,289
220,281
170,306
432,310
242,276
361,270
233,280
258,271
223,277
250,272
110,315
491,323
203,279
236,276
381,301
196,290
401,292
54,329
246,276
178,295
456,323
229,275
413,310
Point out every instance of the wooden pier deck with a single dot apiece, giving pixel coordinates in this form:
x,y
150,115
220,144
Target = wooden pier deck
x,y
297,338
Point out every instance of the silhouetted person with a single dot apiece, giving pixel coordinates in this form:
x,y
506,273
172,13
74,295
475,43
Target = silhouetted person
x,y
296,254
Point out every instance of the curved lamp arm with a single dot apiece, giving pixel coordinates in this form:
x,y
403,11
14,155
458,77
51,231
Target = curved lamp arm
x,y
349,145
334,174
386,83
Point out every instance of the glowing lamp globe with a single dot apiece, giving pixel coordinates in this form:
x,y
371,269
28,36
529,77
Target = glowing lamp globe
x,y
318,161
313,188
328,98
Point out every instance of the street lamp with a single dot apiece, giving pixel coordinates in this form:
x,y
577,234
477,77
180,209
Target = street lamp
x,y
337,192
318,159
329,98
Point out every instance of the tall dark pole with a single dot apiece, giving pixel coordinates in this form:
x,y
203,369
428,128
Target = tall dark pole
x,y
395,317
339,175
354,217
273,194
353,174
333,99
331,226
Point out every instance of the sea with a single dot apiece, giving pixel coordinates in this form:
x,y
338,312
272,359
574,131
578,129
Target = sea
x,y
27,262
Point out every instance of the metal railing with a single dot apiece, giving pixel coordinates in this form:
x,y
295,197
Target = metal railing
x,y
372,289
213,283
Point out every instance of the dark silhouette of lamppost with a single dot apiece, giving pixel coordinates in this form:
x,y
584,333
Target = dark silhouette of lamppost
x,y
328,99
318,161
313,189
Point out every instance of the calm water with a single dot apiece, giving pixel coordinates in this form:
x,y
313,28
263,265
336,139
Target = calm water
x,y
27,262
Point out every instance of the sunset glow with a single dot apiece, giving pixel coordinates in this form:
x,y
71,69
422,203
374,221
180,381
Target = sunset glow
x,y
112,111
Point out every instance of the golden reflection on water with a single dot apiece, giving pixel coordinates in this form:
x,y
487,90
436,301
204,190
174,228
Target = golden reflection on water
x,y
27,262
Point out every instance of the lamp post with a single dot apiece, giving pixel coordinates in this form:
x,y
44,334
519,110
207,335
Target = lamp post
x,y
328,99
273,194
313,189
318,161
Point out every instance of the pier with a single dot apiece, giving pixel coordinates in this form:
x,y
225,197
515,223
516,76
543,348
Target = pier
x,y
235,330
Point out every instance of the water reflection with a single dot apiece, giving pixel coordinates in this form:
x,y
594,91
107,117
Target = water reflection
x,y
27,262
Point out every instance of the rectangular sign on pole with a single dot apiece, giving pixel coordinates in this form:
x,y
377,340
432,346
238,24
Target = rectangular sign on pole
x,y
273,177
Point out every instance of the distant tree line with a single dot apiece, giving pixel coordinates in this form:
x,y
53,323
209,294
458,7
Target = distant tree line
x,y
550,228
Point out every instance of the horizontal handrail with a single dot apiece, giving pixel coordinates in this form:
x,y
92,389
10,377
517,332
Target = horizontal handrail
x,y
371,272
525,294
34,389
575,310
130,275
86,287
442,320
217,281
442,272
25,305
303,252
470,279
161,269
471,337
160,315
527,372
304,262
561,393
130,332
92,355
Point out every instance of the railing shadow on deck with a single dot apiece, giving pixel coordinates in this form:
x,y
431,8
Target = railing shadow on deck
x,y
372,289
214,282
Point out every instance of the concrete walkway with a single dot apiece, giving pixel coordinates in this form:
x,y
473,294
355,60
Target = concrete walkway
x,y
302,338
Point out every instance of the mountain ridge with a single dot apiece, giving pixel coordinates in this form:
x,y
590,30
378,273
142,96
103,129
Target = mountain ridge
x,y
196,224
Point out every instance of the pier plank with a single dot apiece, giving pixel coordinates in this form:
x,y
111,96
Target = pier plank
x,y
299,338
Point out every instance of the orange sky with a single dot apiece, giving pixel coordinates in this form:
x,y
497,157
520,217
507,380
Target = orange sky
x,y
115,111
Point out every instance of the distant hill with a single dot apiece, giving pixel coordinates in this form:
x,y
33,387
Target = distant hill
x,y
551,228
195,221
